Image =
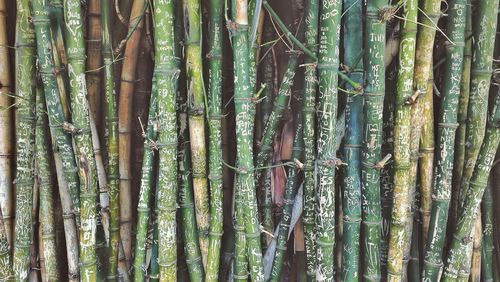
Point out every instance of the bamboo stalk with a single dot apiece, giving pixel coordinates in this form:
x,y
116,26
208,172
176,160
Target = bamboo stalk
x,y
399,239
310,86
352,148
423,68
474,267
5,266
127,82
328,63
240,264
215,150
44,179
166,75
290,191
372,132
196,115
94,58
477,185
463,102
24,35
186,204
82,139
244,112
487,245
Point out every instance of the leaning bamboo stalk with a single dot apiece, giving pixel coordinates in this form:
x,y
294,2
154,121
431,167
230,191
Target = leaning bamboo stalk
x,y
477,185
372,135
244,112
45,184
310,89
166,75
447,119
399,238
196,115
147,182
127,82
82,139
215,146
351,204
24,36
471,264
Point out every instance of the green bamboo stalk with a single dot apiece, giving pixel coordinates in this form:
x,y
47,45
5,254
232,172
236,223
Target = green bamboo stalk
x,y
154,268
463,102
447,124
423,70
69,219
398,237
44,179
240,264
352,147
166,73
186,204
24,172
288,200
61,141
196,98
5,266
310,88
281,104
127,85
147,181
215,149
372,132
487,243
328,63
477,185
83,140
244,112
111,123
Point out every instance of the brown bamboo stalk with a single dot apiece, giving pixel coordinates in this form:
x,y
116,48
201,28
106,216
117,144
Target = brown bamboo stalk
x,y
94,58
128,78
6,128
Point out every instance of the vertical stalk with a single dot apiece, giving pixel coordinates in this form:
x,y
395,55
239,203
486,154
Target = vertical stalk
x,y
186,204
290,191
399,238
352,148
215,147
428,18
82,138
245,111
477,185
463,101
310,86
44,179
127,83
112,146
196,114
487,243
328,64
24,54
94,59
372,135
166,76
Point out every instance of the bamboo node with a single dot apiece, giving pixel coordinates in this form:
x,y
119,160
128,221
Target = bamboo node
x,y
386,14
70,128
382,162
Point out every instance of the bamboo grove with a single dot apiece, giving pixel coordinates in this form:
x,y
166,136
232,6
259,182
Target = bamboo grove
x,y
261,140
